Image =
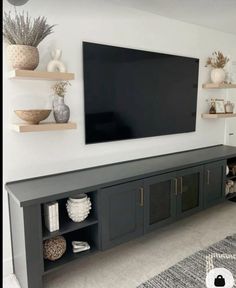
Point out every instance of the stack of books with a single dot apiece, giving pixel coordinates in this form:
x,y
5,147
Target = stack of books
x,y
51,216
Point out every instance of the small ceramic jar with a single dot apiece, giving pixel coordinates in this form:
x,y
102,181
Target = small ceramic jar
x,y
229,107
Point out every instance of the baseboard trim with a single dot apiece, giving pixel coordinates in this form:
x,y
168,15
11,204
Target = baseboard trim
x,y
7,267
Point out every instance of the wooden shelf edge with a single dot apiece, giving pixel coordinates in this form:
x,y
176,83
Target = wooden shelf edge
x,y
40,75
218,116
24,127
218,86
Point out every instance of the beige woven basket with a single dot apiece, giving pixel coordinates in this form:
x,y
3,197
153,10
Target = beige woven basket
x,y
23,57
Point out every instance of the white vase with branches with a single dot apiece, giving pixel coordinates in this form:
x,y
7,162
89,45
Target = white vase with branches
x,y
217,62
61,111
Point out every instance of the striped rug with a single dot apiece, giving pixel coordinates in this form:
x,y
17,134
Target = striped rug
x,y
191,272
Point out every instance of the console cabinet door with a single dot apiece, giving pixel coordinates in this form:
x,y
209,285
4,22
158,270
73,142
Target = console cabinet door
x,y
190,190
160,200
214,176
122,213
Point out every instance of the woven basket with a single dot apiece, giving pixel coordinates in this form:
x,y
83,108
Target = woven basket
x,y
54,248
23,57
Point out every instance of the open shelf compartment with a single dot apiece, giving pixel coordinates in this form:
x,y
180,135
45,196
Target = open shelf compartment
x,y
87,230
67,225
231,176
88,234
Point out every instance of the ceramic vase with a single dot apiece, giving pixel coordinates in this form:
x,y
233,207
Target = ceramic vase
x,y
229,107
79,207
56,64
217,75
23,57
61,111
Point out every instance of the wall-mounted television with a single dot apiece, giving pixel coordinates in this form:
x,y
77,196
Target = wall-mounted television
x,y
131,93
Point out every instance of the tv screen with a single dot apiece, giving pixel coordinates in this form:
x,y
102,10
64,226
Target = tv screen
x,y
131,93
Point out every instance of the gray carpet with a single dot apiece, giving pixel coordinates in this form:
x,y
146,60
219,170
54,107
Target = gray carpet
x,y
191,272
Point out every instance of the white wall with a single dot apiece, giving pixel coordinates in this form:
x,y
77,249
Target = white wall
x,y
230,131
34,154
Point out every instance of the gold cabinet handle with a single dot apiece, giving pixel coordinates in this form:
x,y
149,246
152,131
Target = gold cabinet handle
x,y
176,186
141,196
208,177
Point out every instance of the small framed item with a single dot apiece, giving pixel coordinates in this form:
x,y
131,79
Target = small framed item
x,y
220,106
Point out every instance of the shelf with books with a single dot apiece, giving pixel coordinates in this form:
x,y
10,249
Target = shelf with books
x,y
65,223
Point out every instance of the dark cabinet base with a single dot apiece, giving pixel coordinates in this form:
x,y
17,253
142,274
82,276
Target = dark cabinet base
x,y
128,200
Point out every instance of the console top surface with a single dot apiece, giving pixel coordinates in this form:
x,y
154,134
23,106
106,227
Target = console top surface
x,y
52,187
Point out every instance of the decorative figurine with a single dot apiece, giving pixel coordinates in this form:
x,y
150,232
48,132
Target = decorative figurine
x,y
212,107
55,64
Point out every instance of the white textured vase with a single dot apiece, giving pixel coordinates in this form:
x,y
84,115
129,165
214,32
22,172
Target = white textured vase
x,y
78,208
218,75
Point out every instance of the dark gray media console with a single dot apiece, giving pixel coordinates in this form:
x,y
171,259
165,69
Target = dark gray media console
x,y
128,200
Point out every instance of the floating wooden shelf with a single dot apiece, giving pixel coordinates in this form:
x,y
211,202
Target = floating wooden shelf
x,y
216,116
24,127
40,75
218,86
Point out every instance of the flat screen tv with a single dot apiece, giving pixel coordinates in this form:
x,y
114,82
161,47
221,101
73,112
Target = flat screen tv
x,y
132,94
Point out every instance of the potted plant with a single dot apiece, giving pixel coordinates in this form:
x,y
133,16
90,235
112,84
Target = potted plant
x,y
24,35
61,111
217,62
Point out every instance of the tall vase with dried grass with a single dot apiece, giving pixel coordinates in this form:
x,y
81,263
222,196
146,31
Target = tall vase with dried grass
x,y
61,111
217,62
24,35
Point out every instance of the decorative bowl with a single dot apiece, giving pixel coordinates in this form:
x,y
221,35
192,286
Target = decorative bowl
x,y
33,116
